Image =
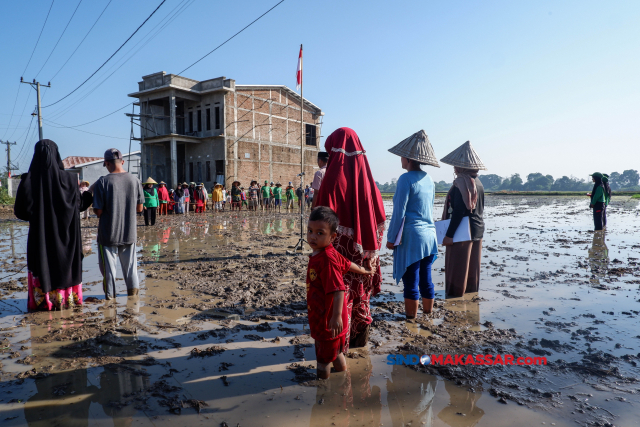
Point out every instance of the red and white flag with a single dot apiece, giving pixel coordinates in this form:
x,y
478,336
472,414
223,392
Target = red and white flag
x,y
299,72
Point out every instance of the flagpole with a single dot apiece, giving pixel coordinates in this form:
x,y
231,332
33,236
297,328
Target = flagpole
x,y
301,242
301,124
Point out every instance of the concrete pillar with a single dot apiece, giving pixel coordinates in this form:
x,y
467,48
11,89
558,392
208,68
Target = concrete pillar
x,y
143,160
174,163
172,114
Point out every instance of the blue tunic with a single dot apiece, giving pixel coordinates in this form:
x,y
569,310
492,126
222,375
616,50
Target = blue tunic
x,y
413,201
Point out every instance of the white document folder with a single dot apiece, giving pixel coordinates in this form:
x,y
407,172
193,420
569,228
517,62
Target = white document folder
x,y
462,234
399,236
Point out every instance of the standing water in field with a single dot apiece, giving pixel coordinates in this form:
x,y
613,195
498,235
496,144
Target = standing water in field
x,y
219,335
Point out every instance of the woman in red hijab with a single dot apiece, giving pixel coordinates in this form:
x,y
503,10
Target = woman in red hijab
x,y
349,189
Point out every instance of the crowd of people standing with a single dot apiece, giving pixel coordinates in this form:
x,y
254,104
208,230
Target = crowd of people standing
x,y
346,230
192,197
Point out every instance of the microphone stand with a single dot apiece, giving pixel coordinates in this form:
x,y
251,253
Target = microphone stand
x,y
301,241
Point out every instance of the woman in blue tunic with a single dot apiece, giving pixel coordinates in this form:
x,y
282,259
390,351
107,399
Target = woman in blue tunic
x,y
413,217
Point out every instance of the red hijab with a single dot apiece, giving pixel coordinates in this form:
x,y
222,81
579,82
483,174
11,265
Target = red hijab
x,y
349,189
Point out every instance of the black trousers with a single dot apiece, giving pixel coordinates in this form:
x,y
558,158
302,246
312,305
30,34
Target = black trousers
x,y
604,215
598,216
150,216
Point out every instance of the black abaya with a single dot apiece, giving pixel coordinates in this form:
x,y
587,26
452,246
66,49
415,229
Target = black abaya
x,y
49,198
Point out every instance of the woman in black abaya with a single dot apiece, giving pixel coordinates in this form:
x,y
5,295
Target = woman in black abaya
x,y
49,198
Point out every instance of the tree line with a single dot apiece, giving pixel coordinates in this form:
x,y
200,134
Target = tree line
x,y
628,180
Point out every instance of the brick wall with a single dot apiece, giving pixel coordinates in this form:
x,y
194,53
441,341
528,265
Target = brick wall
x,y
268,129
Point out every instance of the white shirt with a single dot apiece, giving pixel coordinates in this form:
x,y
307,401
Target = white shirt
x,y
318,177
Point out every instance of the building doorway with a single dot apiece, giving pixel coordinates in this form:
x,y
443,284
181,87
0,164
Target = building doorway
x,y
181,154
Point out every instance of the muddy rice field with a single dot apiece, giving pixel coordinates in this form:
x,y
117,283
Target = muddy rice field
x,y
219,337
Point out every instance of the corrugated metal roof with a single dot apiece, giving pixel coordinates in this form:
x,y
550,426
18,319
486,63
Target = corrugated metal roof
x,y
73,161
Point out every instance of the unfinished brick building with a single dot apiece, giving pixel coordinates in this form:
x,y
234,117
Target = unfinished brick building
x,y
215,130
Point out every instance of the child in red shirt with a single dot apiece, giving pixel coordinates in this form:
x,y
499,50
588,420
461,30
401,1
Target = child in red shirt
x,y
326,299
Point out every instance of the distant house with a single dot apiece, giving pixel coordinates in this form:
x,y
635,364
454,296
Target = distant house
x,y
91,168
216,130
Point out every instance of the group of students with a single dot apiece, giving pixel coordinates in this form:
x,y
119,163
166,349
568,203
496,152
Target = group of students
x,y
186,197
600,199
194,198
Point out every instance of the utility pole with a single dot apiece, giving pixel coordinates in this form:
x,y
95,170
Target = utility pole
x,y
10,166
36,86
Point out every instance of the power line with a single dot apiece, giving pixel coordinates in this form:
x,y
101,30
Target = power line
x,y
21,115
38,41
108,59
89,91
175,15
225,42
59,126
82,41
12,111
25,69
59,38
25,134
28,138
107,115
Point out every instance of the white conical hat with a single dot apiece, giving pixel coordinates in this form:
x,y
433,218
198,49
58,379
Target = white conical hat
x,y
417,147
464,157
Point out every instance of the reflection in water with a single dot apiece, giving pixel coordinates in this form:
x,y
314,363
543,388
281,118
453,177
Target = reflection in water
x,y
414,406
53,405
347,398
64,398
598,258
462,401
87,243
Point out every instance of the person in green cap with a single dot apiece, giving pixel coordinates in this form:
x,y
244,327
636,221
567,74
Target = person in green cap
x,y
607,196
598,200
277,197
266,192
150,202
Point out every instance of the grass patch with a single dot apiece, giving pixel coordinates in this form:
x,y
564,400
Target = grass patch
x,y
5,199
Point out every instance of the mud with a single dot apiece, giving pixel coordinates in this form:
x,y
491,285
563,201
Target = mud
x,y
220,327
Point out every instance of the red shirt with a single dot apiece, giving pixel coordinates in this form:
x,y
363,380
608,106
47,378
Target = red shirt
x,y
324,277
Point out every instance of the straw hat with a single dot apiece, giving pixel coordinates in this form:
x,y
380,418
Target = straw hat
x,y
464,157
417,147
149,181
162,183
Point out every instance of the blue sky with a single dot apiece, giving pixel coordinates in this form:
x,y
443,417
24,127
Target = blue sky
x,y
536,86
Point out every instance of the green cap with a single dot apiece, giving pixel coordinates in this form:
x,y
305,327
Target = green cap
x,y
596,175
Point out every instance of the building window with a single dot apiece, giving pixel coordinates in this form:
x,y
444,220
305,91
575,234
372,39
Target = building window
x,y
219,168
199,170
191,171
191,121
199,120
208,118
208,165
310,135
217,117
